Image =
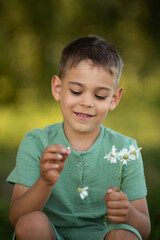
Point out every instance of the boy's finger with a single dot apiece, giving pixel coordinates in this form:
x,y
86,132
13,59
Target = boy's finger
x,y
115,196
112,189
52,165
48,166
116,212
51,156
57,148
116,219
117,204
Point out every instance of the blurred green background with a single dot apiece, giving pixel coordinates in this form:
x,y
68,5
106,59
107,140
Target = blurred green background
x,y
32,35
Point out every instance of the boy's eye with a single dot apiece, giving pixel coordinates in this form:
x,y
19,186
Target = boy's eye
x,y
75,92
100,97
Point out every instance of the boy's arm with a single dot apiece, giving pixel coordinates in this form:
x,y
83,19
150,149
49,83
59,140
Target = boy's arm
x,y
138,217
25,199
28,199
134,213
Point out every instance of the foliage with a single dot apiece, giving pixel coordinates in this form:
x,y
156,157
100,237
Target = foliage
x,y
34,33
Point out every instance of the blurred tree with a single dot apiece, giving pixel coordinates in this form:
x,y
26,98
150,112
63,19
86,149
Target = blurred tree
x,y
32,35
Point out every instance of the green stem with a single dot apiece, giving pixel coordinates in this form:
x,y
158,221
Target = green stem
x,y
130,171
97,189
120,177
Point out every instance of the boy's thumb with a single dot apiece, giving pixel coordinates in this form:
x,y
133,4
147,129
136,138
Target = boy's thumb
x,y
112,189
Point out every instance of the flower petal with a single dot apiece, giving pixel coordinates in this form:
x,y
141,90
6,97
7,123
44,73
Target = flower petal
x,y
82,196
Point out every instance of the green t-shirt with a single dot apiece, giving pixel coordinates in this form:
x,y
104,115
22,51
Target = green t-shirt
x,y
64,207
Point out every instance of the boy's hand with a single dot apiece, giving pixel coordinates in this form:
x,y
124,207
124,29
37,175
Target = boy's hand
x,y
117,204
52,162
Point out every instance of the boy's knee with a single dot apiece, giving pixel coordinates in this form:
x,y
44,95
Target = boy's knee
x,y
121,234
31,224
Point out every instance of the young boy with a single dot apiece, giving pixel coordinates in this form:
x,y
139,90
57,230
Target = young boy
x,y
66,188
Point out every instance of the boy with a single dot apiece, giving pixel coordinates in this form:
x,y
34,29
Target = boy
x,y
61,174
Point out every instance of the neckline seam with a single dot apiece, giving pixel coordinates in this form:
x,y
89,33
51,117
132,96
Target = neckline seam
x,y
91,149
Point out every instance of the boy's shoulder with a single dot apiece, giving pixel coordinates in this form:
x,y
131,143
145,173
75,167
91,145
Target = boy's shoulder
x,y
43,135
47,130
114,133
117,138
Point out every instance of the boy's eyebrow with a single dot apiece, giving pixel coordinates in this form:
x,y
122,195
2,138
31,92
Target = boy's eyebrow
x,y
77,83
82,85
104,88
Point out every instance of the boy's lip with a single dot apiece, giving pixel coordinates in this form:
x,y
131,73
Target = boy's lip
x,y
83,116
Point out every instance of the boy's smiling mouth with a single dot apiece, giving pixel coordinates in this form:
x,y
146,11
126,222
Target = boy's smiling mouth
x,y
83,116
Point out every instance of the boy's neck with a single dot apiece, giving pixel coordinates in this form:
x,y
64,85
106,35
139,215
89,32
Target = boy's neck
x,y
81,141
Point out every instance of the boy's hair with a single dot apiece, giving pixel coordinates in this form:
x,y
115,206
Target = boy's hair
x,y
99,51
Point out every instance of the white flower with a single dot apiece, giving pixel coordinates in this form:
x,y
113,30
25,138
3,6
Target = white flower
x,y
124,156
112,156
83,192
133,153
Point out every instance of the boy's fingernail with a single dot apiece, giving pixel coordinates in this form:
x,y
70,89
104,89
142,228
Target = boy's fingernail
x,y
59,156
64,150
56,166
68,150
109,190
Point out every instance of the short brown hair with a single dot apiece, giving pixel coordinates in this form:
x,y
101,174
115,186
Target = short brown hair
x,y
99,51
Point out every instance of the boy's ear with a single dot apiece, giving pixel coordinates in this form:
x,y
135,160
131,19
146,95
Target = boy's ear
x,y
56,87
116,98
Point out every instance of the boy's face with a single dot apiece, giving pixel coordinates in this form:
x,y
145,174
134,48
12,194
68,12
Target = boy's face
x,y
86,94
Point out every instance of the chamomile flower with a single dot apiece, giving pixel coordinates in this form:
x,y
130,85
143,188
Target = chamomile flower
x,y
112,156
83,192
133,153
124,156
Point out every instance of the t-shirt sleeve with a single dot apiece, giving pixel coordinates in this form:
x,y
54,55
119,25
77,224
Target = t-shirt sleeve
x,y
27,169
133,180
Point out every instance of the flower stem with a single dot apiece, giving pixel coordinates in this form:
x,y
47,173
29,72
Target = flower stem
x,y
120,177
97,189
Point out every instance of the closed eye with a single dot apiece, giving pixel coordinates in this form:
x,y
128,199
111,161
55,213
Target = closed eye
x,y
75,92
100,97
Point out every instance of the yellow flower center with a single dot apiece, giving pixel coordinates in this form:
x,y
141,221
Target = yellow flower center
x,y
125,156
134,152
80,190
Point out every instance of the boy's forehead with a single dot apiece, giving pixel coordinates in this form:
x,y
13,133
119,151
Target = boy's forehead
x,y
86,66
82,75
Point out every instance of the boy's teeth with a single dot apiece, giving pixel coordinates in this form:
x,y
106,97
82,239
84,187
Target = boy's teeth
x,y
83,115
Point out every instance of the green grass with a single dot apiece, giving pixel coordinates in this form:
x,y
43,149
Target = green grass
x,y
152,172
6,230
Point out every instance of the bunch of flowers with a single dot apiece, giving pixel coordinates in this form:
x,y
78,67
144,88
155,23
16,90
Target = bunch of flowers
x,y
124,156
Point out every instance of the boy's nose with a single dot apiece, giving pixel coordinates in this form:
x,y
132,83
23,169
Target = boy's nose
x,y
86,101
88,105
